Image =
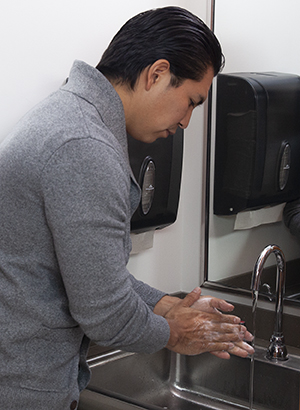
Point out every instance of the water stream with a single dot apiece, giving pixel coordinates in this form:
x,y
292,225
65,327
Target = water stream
x,y
251,383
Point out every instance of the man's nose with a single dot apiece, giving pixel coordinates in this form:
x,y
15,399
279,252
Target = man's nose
x,y
185,121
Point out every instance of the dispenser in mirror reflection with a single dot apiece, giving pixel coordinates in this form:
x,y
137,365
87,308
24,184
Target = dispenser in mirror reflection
x,y
257,141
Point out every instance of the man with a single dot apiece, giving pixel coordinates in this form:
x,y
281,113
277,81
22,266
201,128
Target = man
x,y
291,217
67,195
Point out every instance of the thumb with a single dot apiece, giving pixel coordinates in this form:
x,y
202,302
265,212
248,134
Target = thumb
x,y
191,297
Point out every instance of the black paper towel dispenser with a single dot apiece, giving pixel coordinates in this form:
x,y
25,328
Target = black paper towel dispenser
x,y
157,167
257,151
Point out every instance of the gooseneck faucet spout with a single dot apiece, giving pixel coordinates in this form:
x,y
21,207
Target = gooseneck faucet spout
x,y
277,349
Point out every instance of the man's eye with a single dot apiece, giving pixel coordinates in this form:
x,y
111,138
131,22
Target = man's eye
x,y
192,104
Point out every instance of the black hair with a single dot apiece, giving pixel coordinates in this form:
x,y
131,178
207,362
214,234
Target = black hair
x,y
170,33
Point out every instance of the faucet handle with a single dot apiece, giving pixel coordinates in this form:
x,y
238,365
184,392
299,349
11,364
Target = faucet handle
x,y
267,291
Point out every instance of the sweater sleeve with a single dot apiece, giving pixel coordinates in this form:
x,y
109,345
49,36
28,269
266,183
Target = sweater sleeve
x,y
149,294
87,206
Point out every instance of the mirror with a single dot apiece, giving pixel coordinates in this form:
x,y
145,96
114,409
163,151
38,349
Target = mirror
x,y
256,36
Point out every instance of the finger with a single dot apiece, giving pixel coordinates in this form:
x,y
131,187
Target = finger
x,y
220,349
221,355
204,305
215,336
236,351
211,305
245,346
248,336
191,297
227,319
221,332
241,349
221,304
244,333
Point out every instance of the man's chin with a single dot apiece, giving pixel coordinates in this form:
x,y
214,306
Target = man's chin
x,y
148,139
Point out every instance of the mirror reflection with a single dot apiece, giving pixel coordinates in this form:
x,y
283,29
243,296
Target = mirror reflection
x,y
256,37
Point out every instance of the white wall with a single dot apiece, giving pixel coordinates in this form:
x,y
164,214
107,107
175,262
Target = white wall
x,y
256,35
40,39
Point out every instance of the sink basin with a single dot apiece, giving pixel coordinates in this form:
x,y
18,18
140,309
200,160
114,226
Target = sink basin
x,y
166,380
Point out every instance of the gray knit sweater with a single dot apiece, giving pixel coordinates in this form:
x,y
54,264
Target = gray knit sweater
x,y
67,194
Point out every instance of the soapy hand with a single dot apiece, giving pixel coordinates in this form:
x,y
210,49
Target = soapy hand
x,y
198,326
212,305
215,305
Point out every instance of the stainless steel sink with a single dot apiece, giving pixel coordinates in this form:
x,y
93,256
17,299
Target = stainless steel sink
x,y
166,380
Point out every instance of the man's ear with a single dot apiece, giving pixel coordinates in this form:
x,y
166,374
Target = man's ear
x,y
157,71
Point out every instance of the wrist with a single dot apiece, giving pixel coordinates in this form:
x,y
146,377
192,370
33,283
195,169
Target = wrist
x,y
165,304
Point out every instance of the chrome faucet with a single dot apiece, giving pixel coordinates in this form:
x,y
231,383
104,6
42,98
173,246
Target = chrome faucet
x,y
277,349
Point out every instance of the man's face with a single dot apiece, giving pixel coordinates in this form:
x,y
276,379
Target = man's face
x,y
163,107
